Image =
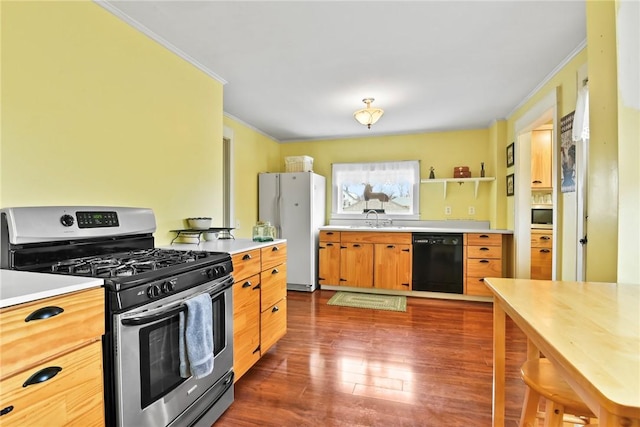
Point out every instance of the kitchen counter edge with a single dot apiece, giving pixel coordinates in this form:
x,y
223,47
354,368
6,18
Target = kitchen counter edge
x,y
405,229
19,287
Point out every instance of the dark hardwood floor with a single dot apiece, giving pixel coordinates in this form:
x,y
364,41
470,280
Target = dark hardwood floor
x,y
339,366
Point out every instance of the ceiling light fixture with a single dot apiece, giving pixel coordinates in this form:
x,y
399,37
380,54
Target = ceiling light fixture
x,y
368,116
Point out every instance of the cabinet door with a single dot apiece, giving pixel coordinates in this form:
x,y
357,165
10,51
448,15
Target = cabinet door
x,y
356,264
329,263
246,324
274,325
541,262
541,158
392,267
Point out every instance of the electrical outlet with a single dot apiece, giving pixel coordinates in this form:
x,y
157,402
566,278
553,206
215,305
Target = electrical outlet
x,y
447,210
472,210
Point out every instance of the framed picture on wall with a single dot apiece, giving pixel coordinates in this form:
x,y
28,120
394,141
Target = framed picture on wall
x,y
511,155
510,184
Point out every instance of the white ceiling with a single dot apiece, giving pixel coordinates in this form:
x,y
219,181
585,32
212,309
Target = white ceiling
x,y
297,70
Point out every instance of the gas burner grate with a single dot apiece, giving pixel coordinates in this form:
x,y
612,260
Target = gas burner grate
x,y
127,264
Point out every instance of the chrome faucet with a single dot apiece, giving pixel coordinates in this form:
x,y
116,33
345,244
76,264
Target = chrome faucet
x,y
366,217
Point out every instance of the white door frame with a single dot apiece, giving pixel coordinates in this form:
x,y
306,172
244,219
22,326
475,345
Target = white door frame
x,y
541,113
227,178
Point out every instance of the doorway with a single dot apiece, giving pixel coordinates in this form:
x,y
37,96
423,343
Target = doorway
x,y
541,116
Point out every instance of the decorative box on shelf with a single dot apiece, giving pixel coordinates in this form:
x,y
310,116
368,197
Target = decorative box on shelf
x,y
461,172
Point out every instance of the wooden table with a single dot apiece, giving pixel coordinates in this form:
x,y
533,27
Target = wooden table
x,y
589,331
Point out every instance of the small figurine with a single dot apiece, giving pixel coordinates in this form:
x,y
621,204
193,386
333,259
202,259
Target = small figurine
x,y
432,174
482,169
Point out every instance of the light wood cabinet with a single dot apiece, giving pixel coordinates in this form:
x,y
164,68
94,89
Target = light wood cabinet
x,y
366,259
484,258
63,351
329,258
356,264
259,304
541,254
541,143
392,266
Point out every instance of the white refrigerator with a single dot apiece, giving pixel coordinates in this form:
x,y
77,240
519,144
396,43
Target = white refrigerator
x,y
294,203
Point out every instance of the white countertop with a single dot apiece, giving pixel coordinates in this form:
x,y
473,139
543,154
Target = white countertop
x,y
232,246
406,229
17,287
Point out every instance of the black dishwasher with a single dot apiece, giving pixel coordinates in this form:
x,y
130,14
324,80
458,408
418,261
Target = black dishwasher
x,y
437,262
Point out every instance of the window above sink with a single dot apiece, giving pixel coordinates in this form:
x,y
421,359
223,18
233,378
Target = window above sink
x,y
391,189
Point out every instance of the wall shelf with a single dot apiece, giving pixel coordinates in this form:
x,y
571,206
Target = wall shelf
x,y
460,181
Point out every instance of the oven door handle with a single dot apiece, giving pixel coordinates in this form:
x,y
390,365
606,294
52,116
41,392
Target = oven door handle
x,y
171,310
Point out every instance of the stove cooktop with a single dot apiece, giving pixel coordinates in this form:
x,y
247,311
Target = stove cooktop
x,y
128,264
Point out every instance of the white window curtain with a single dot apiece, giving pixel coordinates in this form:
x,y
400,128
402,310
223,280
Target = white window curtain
x,y
391,188
581,117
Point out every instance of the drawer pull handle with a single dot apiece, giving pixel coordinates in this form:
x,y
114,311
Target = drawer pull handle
x,y
275,248
545,237
275,271
483,236
405,250
356,246
256,286
246,257
256,350
481,279
44,313
484,261
329,233
42,375
246,284
390,246
6,410
484,249
537,181
329,244
275,309
544,251
405,284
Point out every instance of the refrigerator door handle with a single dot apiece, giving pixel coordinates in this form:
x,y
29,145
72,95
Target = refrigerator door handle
x,y
278,219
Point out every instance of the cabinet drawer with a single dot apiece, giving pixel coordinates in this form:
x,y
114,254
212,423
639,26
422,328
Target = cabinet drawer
x,y
476,286
23,343
484,239
376,237
273,255
541,240
246,264
274,325
74,396
329,236
484,268
273,283
493,252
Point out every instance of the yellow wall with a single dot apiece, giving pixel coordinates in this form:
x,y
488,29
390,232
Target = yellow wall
x,y
602,249
94,112
253,153
442,150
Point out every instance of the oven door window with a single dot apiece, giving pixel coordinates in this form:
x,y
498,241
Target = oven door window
x,y
159,357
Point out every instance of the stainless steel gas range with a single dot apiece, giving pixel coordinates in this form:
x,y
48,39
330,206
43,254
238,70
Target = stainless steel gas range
x,y
146,292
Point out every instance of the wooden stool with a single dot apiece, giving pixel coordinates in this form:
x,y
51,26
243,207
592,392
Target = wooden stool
x,y
542,379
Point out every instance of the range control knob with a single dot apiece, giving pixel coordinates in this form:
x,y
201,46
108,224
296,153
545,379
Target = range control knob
x,y
153,291
67,220
169,286
211,273
222,269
